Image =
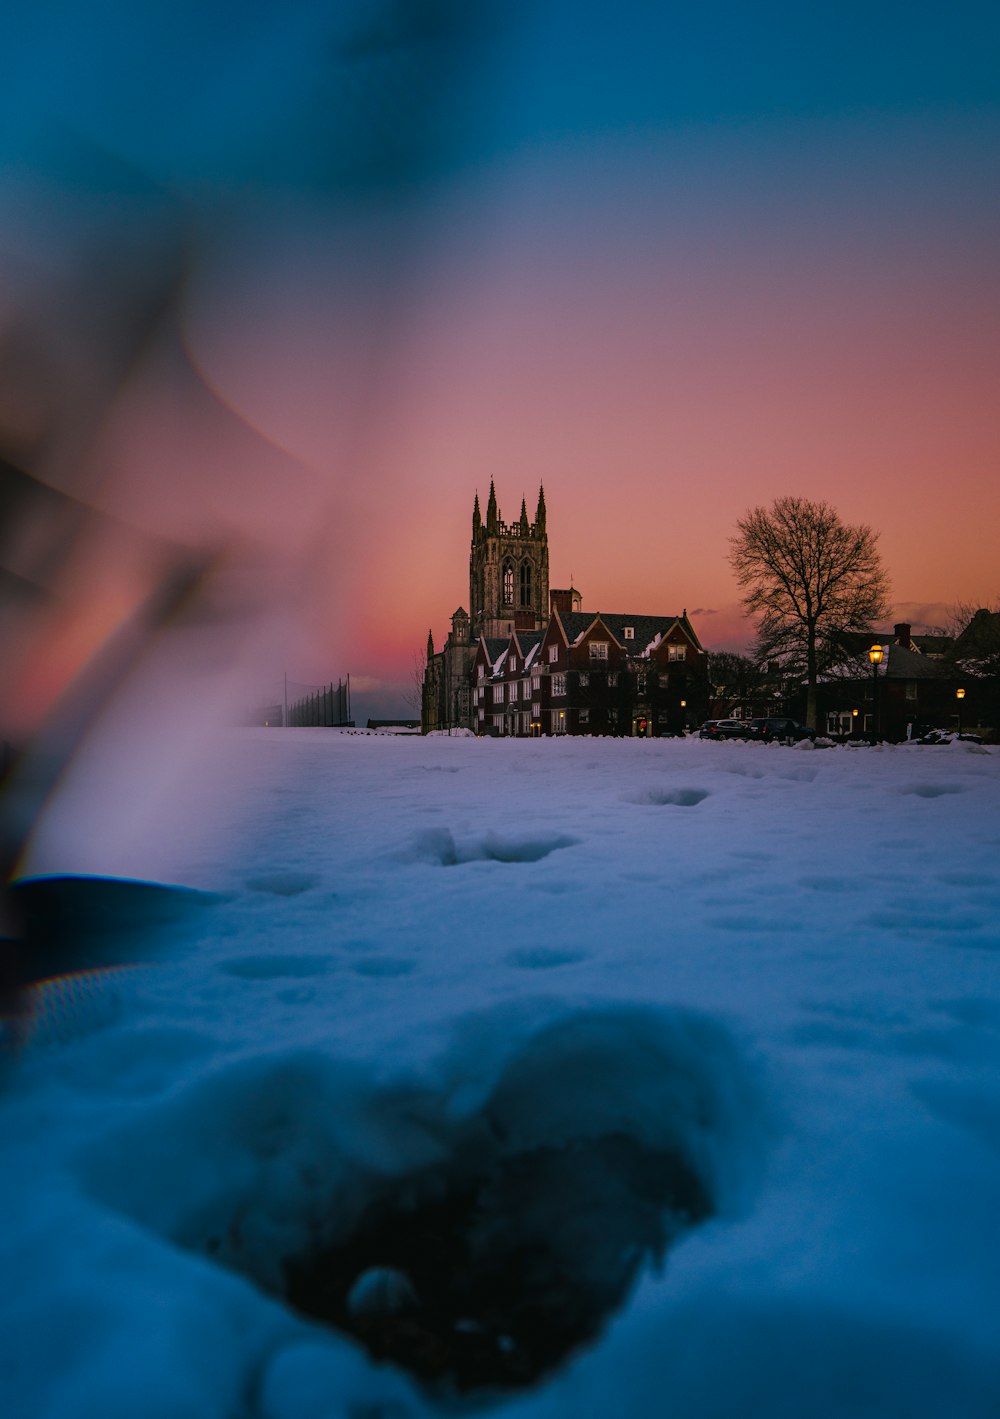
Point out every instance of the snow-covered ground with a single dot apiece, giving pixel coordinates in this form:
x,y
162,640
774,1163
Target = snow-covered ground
x,y
573,968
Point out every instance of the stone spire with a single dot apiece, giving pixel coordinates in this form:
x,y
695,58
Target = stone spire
x,y
524,519
540,514
430,646
477,518
492,515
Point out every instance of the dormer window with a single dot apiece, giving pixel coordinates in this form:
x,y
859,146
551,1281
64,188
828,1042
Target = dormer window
x,y
513,662
629,633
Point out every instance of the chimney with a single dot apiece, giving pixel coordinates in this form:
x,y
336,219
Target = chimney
x,y
565,602
902,635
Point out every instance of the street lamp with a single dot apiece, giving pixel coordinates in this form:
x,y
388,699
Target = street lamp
x,y
959,696
875,656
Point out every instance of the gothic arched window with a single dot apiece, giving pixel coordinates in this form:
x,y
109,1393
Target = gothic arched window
x,y
525,583
508,584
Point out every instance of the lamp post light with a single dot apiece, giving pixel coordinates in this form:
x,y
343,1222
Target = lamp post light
x,y
875,656
960,696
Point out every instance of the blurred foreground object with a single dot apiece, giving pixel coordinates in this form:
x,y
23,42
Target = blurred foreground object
x,y
152,524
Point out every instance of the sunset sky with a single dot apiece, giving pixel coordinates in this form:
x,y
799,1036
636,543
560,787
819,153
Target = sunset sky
x,y
671,261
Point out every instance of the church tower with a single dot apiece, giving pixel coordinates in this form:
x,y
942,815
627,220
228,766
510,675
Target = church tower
x,y
508,570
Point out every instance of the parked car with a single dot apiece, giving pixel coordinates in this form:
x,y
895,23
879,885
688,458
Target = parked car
x,y
777,729
948,736
725,729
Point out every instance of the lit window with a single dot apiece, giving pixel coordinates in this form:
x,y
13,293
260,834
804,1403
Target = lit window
x,y
677,652
559,684
598,650
513,691
553,654
629,633
513,662
536,682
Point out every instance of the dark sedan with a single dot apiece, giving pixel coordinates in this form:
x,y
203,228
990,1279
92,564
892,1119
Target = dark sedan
x,y
779,730
725,729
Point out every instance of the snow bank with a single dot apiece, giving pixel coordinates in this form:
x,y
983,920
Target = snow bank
x,y
709,1032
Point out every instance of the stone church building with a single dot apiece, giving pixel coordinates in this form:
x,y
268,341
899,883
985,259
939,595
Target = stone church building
x,y
530,661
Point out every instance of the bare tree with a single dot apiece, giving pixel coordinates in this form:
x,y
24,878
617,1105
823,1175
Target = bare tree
x,y
975,632
809,577
413,694
735,677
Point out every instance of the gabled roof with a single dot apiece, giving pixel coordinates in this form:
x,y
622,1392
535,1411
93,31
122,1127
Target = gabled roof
x,y
528,643
496,652
858,642
648,630
903,664
899,664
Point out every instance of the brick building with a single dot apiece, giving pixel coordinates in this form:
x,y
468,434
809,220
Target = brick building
x,y
511,670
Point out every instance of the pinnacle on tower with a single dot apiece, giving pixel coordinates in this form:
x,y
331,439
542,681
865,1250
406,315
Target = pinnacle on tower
x,y
430,646
524,519
540,514
492,515
477,518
